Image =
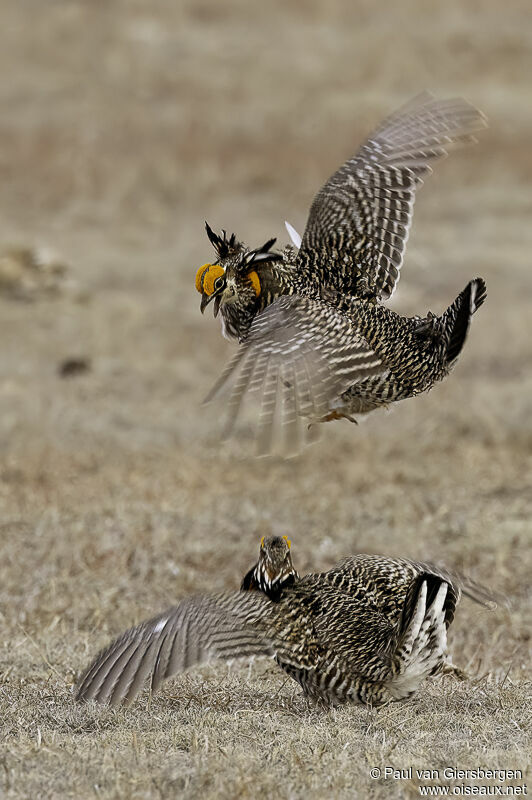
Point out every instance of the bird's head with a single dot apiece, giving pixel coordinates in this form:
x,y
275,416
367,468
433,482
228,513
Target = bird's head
x,y
274,570
234,278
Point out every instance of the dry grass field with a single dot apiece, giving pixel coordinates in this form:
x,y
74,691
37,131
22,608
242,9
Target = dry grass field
x,y
124,125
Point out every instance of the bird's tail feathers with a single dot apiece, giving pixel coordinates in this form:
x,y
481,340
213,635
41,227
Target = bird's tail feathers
x,y
457,318
422,635
463,584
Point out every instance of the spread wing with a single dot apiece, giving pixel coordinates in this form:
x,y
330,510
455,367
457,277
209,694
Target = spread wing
x,y
199,629
359,221
301,354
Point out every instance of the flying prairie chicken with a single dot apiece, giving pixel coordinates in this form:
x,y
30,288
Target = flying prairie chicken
x,y
370,630
314,335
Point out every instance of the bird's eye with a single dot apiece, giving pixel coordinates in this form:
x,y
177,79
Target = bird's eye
x,y
219,282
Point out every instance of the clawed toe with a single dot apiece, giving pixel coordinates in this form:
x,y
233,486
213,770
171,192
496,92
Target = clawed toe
x,y
337,415
456,672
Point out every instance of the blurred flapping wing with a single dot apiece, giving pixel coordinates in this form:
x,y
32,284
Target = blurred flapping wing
x,y
301,354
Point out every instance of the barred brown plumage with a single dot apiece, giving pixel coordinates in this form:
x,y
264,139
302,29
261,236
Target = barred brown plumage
x,y
314,337
370,630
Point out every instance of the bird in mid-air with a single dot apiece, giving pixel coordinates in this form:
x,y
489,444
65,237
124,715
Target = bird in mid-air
x,y
315,338
370,630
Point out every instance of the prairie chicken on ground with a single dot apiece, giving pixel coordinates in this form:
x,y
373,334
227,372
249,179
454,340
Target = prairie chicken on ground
x,y
370,630
314,336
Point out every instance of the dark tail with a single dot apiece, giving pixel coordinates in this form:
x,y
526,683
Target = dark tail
x,y
421,643
432,583
457,318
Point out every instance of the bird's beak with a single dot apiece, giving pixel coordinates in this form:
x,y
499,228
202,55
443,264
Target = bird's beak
x,y
205,300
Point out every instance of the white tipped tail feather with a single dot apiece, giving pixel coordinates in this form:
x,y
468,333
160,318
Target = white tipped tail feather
x,y
422,647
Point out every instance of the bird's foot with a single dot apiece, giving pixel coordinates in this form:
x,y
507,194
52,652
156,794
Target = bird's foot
x,y
456,672
337,415
427,326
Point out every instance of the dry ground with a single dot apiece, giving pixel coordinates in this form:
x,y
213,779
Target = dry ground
x,y
124,125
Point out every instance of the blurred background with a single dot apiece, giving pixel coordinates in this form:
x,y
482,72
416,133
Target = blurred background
x,y
124,126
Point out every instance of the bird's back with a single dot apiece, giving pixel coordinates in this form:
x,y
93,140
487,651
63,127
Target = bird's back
x,y
374,581
334,644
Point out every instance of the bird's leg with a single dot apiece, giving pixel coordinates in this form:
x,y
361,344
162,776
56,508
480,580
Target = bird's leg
x,y
427,326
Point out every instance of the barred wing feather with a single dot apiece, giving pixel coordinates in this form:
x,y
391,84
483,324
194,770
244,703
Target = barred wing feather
x,y
199,629
358,225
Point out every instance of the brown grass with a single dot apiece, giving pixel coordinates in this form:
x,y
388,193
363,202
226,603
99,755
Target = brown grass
x,y
124,125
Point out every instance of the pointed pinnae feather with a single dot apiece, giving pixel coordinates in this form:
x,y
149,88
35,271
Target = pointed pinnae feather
x,y
267,245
